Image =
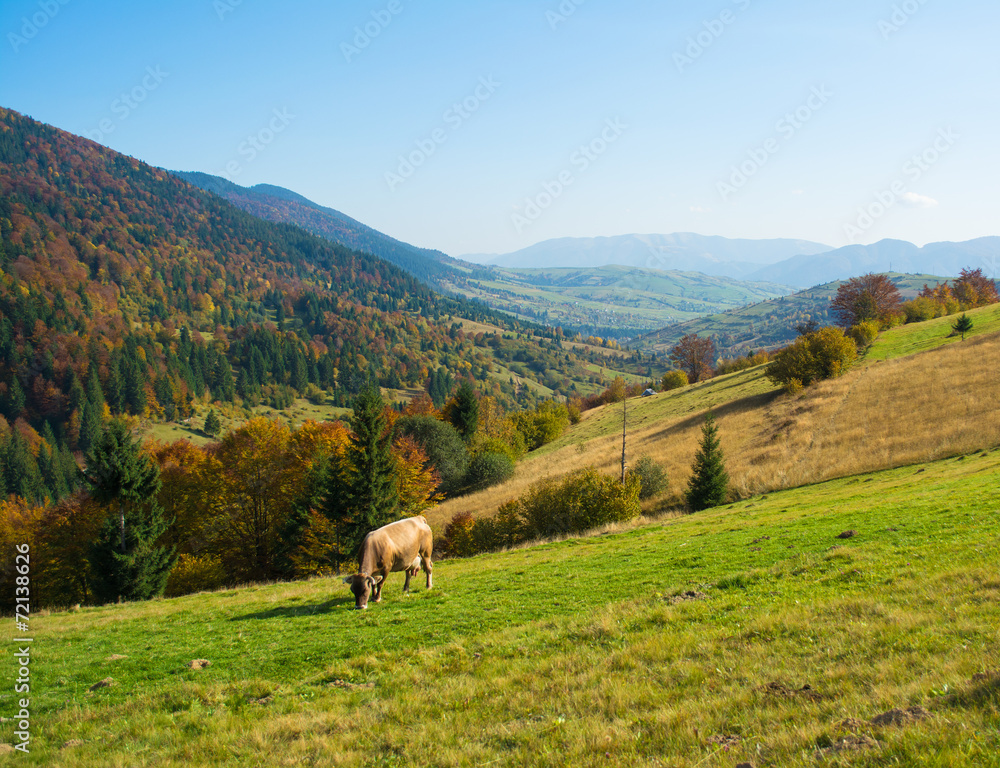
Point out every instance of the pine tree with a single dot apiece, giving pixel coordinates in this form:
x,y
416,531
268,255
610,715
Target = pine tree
x,y
709,485
464,414
21,469
90,426
212,423
963,325
15,401
365,494
126,563
95,395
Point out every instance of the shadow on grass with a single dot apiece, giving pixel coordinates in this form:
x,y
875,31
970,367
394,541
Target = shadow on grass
x,y
735,407
984,692
294,611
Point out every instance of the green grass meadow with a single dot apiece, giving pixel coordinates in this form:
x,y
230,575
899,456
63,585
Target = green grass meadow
x,y
576,652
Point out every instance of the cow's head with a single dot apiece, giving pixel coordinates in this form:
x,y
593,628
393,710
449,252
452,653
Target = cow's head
x,y
362,585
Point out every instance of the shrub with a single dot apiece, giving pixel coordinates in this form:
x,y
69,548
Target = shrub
x,y
444,446
583,500
652,477
458,536
864,334
543,425
823,354
673,380
315,395
195,573
920,309
487,470
742,363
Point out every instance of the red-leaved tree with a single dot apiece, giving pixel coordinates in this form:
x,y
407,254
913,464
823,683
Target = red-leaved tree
x,y
870,297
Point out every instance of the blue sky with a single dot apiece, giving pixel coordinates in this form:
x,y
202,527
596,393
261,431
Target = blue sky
x,y
488,126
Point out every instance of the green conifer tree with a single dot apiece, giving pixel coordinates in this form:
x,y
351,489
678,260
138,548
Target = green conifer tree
x,y
963,325
125,560
212,423
709,485
465,413
364,497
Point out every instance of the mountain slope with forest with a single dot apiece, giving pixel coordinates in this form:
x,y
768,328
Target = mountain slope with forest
x,y
124,290
280,205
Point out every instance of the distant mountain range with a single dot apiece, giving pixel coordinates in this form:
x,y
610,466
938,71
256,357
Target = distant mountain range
x,y
885,256
799,263
684,251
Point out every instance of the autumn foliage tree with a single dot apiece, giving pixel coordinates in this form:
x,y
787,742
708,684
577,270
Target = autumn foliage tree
x,y
823,354
694,356
871,297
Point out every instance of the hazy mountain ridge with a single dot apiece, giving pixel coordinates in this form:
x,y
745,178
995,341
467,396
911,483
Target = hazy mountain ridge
x,y
683,251
945,258
798,263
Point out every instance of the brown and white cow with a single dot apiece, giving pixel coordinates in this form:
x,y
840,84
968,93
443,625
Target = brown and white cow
x,y
405,545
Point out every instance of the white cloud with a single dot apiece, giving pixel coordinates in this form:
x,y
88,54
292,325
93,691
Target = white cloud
x,y
699,209
913,200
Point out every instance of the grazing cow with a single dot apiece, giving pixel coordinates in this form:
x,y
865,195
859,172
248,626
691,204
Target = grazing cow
x,y
405,545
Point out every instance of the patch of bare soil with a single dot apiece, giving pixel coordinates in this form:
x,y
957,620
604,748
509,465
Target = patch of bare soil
x,y
105,683
199,664
856,742
780,689
686,597
347,686
725,740
72,743
987,677
115,657
899,717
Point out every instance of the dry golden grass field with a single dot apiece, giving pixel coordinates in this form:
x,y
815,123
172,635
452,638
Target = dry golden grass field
x,y
881,414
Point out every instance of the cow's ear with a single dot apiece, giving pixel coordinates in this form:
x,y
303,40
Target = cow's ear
x,y
377,579
349,580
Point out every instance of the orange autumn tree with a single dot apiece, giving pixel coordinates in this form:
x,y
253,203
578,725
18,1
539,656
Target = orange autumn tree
x,y
257,490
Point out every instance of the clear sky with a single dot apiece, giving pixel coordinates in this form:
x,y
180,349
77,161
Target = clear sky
x,y
489,125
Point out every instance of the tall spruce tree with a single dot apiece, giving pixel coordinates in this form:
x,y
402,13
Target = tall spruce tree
x,y
709,485
212,423
464,415
364,496
125,560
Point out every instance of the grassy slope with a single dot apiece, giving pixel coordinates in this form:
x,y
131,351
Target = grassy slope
x,y
769,324
891,409
931,334
568,653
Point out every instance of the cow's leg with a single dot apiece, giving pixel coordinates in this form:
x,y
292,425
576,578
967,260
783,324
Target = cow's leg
x,y
406,584
377,589
428,568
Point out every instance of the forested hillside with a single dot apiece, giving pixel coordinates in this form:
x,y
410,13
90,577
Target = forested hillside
x,y
281,205
124,290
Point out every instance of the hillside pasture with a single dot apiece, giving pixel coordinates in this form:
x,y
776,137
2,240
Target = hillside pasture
x,y
883,413
748,632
